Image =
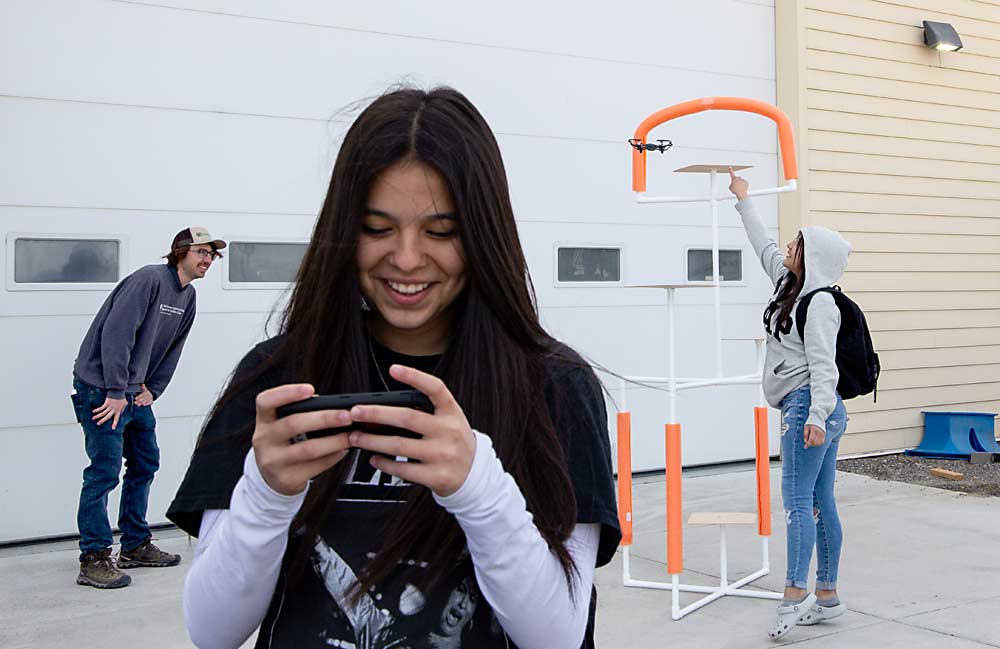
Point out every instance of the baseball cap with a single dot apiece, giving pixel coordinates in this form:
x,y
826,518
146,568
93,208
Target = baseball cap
x,y
196,234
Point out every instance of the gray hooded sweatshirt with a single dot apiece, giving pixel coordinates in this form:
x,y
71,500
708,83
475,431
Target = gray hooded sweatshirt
x,y
789,364
137,336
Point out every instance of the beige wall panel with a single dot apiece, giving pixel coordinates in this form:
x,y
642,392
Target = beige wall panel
x,y
939,243
827,17
878,203
830,17
917,378
871,55
851,82
941,357
866,422
871,183
972,9
881,440
895,262
937,281
898,166
929,398
842,119
902,147
902,150
910,417
915,223
927,301
907,15
951,319
826,100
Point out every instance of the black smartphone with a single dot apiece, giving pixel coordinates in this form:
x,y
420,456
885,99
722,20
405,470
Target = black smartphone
x,y
399,398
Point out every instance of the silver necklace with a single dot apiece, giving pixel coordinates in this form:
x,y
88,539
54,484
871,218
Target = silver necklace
x,y
375,360
378,369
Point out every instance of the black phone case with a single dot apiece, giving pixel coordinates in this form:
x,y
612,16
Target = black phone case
x,y
400,399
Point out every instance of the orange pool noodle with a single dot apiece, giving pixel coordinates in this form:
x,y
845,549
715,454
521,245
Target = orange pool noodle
x,y
625,476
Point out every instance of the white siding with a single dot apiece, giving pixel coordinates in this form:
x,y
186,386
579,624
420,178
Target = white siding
x,y
136,119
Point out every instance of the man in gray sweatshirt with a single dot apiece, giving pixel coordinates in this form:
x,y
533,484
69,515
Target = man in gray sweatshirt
x,y
125,362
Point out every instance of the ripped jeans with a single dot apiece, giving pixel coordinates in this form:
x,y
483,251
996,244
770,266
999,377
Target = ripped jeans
x,y
807,477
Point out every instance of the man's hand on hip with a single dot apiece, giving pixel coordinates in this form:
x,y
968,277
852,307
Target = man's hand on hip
x,y
111,408
144,398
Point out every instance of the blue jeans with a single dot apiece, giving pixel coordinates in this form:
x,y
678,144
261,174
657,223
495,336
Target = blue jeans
x,y
807,477
134,440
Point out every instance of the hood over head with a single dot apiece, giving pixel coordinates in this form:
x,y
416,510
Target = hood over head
x,y
826,255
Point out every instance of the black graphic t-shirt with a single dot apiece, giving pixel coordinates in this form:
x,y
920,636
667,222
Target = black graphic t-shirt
x,y
319,611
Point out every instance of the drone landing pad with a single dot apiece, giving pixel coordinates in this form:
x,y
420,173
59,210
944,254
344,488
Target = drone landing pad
x,y
704,169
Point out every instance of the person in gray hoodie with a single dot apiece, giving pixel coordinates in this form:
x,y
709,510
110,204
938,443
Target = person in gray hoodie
x,y
125,362
800,378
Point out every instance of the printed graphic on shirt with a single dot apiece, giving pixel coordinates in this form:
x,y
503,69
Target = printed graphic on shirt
x,y
380,620
399,612
166,309
363,473
366,484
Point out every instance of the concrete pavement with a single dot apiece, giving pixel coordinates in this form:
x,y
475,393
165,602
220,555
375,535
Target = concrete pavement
x,y
920,568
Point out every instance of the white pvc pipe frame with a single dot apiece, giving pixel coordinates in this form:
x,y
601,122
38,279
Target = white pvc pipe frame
x,y
724,588
675,385
791,186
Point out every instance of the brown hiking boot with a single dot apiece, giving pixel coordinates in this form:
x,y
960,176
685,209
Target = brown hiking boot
x,y
98,569
147,555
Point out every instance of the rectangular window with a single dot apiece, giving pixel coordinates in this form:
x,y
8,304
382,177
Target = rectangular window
x,y
264,263
66,261
588,264
699,265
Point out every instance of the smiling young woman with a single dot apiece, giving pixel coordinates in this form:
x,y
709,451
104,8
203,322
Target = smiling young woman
x,y
484,530
410,263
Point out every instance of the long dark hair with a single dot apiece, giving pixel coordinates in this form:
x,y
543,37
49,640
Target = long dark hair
x,y
495,360
785,294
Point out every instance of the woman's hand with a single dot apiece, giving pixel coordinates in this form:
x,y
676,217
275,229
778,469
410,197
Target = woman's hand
x,y
447,446
738,186
813,435
287,468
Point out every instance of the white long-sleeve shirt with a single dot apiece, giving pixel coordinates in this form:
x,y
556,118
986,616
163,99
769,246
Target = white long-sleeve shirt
x,y
239,552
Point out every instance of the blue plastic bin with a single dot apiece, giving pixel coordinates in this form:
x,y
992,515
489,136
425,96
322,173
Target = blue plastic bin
x,y
957,435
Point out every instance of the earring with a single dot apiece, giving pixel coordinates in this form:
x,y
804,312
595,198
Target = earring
x,y
364,304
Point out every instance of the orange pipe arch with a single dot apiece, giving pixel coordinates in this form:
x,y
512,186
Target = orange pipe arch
x,y
786,139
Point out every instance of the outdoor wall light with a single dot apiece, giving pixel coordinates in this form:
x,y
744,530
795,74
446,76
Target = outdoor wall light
x,y
941,36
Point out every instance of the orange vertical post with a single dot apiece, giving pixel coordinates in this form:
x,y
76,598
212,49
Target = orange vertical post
x,y
763,472
625,476
675,533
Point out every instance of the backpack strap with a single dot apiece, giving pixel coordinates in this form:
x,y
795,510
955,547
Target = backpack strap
x,y
802,310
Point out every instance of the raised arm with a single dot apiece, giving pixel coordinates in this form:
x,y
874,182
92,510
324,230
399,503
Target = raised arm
x,y
768,254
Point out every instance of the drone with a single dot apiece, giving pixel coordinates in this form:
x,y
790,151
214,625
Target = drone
x,y
649,146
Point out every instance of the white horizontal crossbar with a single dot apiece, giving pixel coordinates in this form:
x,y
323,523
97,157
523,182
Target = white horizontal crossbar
x,y
707,198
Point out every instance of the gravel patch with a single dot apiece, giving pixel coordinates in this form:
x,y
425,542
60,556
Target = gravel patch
x,y
980,479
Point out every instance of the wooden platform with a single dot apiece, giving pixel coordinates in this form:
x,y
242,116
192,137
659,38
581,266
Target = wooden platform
x,y
704,169
722,518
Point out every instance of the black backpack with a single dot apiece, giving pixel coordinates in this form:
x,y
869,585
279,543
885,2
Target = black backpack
x,y
857,361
